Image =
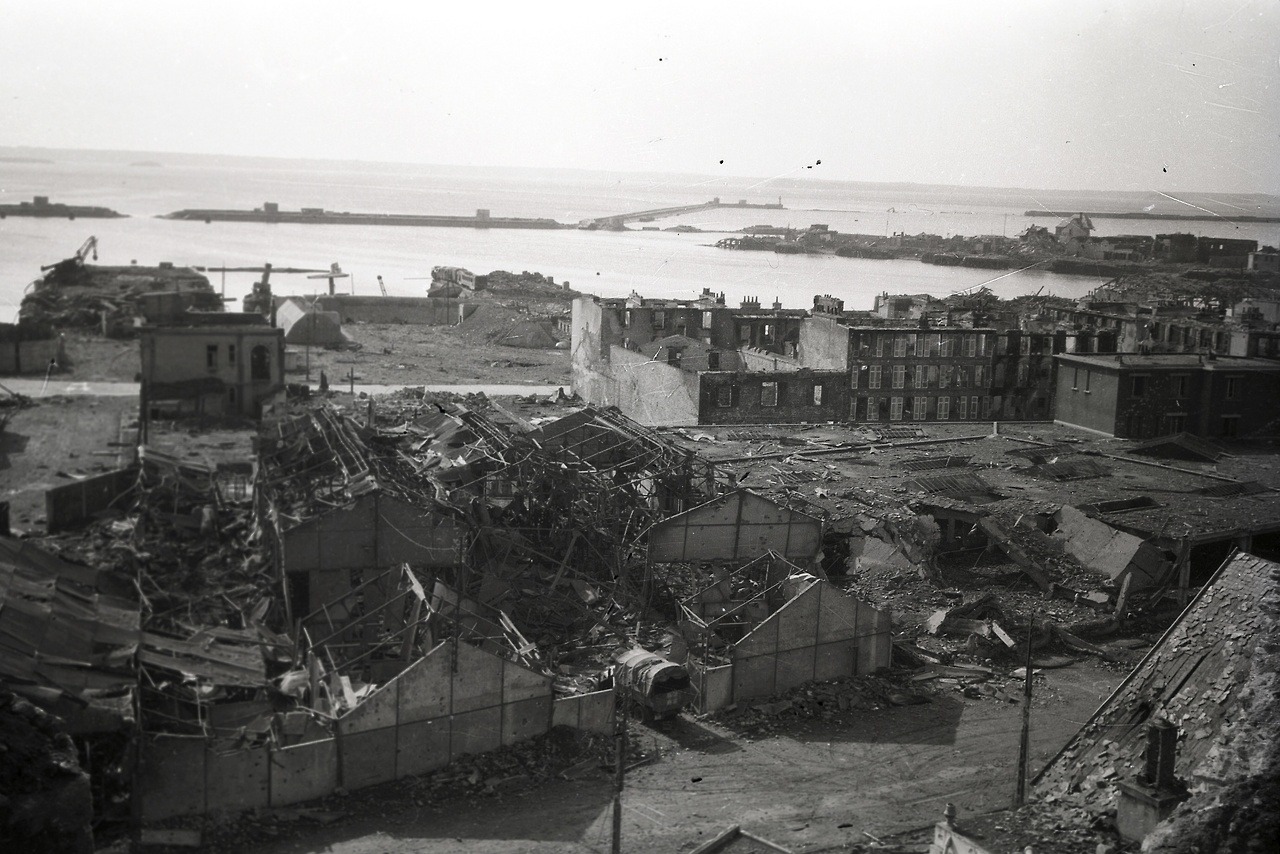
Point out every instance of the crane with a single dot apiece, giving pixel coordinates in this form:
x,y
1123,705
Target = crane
x,y
76,260
335,272
382,286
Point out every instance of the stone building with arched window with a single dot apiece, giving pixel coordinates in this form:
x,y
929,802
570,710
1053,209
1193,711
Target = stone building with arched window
x,y
211,365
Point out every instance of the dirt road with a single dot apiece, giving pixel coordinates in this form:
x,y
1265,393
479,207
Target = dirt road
x,y
892,771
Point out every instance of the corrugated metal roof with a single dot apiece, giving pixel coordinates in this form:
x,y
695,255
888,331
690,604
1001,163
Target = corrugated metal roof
x,y
57,628
1227,490
928,463
1181,446
968,486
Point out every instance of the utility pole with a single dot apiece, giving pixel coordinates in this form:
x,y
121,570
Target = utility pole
x,y
1024,745
620,755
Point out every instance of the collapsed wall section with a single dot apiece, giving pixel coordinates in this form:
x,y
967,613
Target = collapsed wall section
x,y
445,705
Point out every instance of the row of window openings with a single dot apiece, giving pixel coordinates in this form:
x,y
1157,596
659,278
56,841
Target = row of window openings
x,y
259,360
768,395
744,332
940,345
918,408
1140,384
1176,422
931,376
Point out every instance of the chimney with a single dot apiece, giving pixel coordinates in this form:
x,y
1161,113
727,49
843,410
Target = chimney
x,y
1162,750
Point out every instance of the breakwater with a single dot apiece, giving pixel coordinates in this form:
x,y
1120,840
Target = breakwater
x,y
271,213
40,206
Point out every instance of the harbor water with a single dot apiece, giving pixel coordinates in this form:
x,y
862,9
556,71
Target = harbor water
x,y
653,263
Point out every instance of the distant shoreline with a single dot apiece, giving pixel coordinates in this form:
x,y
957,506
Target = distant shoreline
x,y
1211,217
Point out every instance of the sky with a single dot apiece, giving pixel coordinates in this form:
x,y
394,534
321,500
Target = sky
x,y
1126,95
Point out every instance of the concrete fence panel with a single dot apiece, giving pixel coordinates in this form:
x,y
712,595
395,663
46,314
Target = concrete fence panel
x,y
835,660
170,780
423,746
237,781
303,772
525,718
367,758
425,688
71,504
478,731
717,688
478,682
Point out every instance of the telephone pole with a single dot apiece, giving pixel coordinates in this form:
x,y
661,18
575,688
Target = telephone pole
x,y
1024,745
620,756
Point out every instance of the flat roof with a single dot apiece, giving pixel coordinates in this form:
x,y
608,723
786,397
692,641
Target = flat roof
x,y
1170,361
806,465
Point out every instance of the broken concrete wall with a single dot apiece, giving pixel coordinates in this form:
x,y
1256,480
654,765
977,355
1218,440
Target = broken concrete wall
x,y
715,687
423,311
429,715
185,775
653,393
30,357
586,712
70,504
1103,549
374,533
819,634
739,526
418,722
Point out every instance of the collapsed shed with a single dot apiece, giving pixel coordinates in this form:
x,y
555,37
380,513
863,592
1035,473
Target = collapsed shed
x,y
737,526
67,638
769,626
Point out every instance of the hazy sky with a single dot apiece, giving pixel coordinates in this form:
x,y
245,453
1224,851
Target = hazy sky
x,y
1131,94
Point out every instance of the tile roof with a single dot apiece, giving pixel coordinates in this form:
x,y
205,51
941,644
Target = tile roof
x,y
1192,677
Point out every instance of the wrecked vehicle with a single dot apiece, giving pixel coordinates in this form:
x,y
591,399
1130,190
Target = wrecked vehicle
x,y
657,687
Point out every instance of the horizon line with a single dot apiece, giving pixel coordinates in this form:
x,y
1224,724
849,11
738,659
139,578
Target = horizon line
x,y
596,171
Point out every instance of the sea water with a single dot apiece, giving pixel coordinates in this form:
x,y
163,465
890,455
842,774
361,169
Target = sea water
x,y
653,263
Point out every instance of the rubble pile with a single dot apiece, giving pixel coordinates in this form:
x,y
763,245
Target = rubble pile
x,y
561,754
73,295
45,799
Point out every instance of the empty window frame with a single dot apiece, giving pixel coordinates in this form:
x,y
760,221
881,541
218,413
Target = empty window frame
x,y
768,394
